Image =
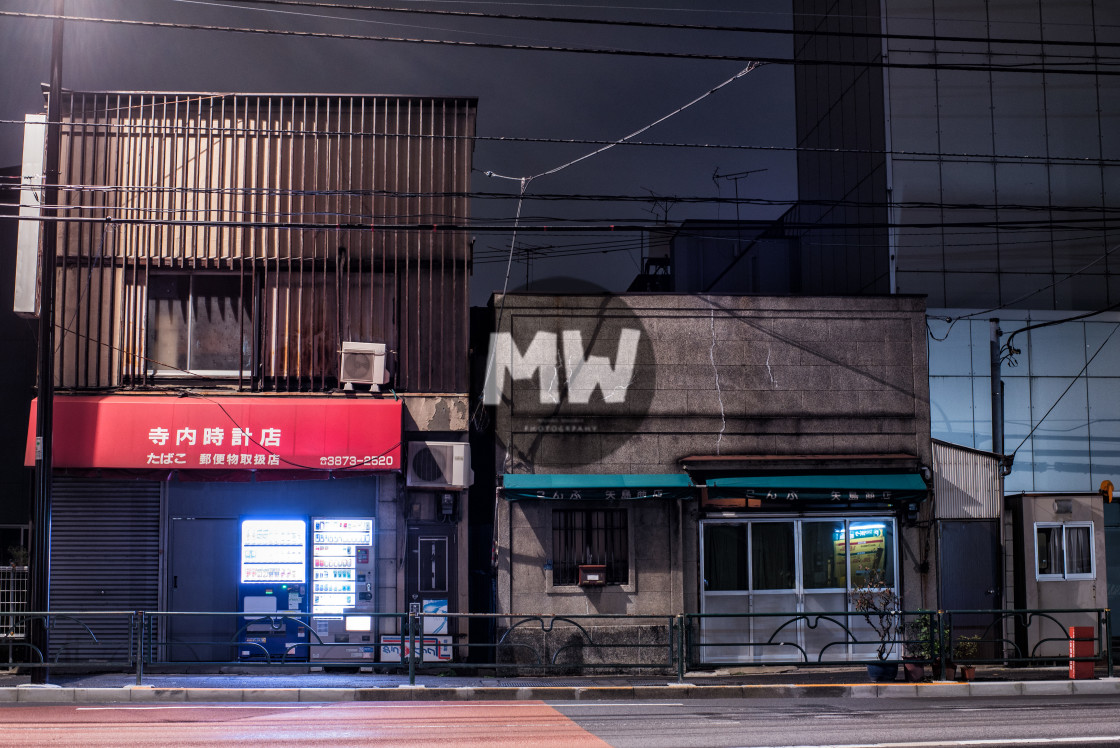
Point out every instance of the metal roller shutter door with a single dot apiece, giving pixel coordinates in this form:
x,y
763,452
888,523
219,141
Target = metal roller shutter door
x,y
104,557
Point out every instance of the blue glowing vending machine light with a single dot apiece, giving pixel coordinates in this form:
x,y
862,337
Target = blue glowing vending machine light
x,y
272,589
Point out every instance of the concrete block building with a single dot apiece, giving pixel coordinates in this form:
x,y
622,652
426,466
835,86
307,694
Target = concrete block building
x,y
662,454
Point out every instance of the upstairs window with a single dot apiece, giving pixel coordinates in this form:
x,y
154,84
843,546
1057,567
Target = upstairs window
x,y
199,323
590,536
1064,551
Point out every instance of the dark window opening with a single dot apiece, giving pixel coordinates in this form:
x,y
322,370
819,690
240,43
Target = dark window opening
x,y
590,536
199,323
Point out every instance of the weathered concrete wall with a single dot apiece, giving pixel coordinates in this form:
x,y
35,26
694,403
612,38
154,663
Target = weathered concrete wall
x,y
712,375
434,412
655,584
723,375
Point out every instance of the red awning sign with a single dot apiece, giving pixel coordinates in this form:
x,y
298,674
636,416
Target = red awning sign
x,y
246,433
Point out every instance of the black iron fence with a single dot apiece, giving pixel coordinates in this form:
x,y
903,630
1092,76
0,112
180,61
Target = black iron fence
x,y
571,644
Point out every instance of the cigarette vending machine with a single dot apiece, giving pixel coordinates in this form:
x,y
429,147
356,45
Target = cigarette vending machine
x,y
273,589
342,569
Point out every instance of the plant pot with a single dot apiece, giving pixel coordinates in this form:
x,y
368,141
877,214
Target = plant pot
x,y
882,672
950,671
968,672
915,671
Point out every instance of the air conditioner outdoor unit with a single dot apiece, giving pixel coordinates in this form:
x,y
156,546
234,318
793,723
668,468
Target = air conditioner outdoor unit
x,y
439,465
363,363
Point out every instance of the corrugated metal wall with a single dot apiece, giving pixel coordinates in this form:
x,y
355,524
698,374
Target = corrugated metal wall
x,y
285,191
105,551
966,483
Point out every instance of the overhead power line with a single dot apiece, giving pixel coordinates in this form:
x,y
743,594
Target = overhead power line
x,y
947,156
1092,64
560,225
245,193
940,38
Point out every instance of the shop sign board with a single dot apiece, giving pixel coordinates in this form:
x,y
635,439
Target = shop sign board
x,y
224,433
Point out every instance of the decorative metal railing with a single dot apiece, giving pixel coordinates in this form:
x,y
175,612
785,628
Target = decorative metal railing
x,y
547,644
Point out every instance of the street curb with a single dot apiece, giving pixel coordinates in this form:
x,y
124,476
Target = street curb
x,y
669,691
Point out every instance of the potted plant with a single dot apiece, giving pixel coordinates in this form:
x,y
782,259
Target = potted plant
x,y
921,646
966,648
879,604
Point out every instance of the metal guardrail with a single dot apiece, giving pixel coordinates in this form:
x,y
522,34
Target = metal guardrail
x,y
925,638
138,640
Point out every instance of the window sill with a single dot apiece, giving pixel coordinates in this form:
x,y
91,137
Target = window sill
x,y
575,589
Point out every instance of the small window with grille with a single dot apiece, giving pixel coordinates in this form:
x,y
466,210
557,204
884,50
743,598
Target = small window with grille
x,y
590,536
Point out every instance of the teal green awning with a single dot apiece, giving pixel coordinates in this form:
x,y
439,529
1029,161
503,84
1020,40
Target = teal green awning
x,y
605,487
847,488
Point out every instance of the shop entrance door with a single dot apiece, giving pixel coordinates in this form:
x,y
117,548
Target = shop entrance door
x,y
789,575
203,550
430,573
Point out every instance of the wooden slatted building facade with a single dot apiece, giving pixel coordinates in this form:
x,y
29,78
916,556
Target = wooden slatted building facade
x,y
340,217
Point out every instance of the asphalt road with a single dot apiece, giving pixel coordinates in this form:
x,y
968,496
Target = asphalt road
x,y
901,723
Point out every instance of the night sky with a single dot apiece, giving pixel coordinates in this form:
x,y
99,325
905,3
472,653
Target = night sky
x,y
521,94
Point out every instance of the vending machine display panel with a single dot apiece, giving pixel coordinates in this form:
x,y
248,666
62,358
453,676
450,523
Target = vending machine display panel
x,y
273,550
273,589
342,577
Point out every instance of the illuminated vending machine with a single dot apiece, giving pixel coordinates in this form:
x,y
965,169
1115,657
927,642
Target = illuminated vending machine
x,y
342,569
273,589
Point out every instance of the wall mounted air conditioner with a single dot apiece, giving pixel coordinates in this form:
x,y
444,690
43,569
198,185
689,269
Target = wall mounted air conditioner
x,y
439,465
363,363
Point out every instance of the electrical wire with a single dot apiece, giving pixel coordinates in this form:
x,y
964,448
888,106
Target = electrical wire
x,y
15,184
946,157
1048,66
370,459
953,320
645,24
751,66
1073,381
555,223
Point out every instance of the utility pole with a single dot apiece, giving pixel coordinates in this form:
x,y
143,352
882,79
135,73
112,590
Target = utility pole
x,y
41,538
997,387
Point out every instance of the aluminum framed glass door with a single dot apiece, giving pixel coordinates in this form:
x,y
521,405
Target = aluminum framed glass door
x,y
824,587
778,568
774,590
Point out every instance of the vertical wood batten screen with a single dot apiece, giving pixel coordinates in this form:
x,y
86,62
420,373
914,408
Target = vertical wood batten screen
x,y
285,190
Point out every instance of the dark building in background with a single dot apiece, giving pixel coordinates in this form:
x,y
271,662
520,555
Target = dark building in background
x,y
17,380
966,153
969,153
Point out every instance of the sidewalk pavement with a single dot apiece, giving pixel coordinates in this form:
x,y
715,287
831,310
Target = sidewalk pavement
x,y
301,685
